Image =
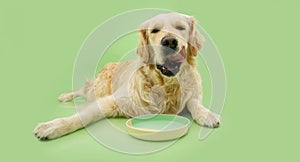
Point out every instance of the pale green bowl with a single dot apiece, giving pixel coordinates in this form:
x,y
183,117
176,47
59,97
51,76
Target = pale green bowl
x,y
158,127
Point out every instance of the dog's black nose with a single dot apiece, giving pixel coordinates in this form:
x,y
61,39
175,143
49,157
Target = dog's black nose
x,y
170,42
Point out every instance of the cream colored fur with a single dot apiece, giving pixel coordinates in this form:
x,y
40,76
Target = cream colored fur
x,y
129,89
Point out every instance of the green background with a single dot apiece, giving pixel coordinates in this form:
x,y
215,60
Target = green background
x,y
258,42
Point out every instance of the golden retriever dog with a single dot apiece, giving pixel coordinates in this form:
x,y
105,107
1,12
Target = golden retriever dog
x,y
163,80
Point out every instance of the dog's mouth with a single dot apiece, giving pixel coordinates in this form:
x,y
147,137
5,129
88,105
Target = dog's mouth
x,y
172,64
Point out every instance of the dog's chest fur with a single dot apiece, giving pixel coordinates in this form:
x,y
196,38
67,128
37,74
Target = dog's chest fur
x,y
155,92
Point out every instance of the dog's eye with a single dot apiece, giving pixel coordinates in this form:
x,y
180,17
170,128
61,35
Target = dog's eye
x,y
180,27
155,30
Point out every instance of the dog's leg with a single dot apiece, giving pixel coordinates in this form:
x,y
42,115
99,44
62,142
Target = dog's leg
x,y
87,91
202,115
104,107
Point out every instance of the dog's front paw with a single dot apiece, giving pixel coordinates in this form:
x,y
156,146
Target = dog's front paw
x,y
209,119
49,130
65,97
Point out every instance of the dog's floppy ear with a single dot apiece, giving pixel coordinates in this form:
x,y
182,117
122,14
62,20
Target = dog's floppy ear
x,y
143,49
195,39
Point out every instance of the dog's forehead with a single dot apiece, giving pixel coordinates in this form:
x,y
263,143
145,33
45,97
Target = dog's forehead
x,y
167,18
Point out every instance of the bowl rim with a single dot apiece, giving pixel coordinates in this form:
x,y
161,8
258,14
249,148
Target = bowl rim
x,y
147,130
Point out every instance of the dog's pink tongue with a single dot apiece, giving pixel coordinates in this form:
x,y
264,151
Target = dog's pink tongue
x,y
182,52
179,57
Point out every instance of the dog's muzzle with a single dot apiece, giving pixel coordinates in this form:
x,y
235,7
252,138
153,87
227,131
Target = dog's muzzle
x,y
169,44
172,64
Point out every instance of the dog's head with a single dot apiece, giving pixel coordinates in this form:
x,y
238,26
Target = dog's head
x,y
167,40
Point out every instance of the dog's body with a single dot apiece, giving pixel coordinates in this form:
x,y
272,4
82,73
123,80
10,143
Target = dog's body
x,y
163,80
